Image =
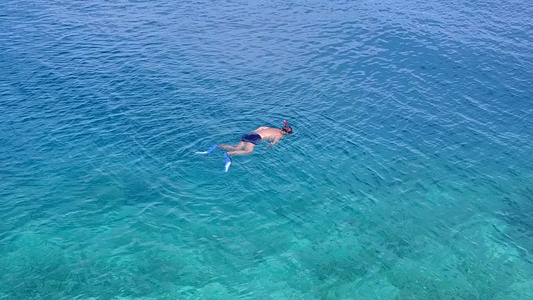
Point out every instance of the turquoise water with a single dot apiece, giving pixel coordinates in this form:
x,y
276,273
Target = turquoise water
x,y
409,175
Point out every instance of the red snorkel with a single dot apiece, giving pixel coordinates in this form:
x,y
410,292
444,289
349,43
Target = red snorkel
x,y
286,128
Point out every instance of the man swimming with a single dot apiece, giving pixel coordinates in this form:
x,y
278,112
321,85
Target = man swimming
x,y
248,141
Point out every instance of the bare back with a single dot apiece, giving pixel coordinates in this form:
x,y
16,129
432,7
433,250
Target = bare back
x,y
268,133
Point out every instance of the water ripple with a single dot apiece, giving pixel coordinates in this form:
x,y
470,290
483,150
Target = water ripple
x,y
408,174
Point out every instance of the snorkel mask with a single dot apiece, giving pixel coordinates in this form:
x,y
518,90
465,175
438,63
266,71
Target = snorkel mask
x,y
286,128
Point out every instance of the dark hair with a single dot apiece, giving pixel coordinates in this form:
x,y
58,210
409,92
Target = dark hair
x,y
287,129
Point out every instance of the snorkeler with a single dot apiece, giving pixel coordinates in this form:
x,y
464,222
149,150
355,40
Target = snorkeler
x,y
248,141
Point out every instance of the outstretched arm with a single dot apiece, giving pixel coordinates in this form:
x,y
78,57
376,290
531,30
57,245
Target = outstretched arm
x,y
275,141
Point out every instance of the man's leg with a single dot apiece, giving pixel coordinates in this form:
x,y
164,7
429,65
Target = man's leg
x,y
248,148
239,146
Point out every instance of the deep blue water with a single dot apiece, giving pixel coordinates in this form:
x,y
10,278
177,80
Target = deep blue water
x,y
409,174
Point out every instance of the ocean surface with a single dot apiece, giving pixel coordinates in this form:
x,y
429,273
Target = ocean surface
x,y
409,174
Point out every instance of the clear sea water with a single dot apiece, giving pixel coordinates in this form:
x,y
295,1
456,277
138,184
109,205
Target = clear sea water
x,y
409,175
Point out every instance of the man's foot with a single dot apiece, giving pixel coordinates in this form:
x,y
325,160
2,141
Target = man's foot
x,y
228,162
213,148
209,151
